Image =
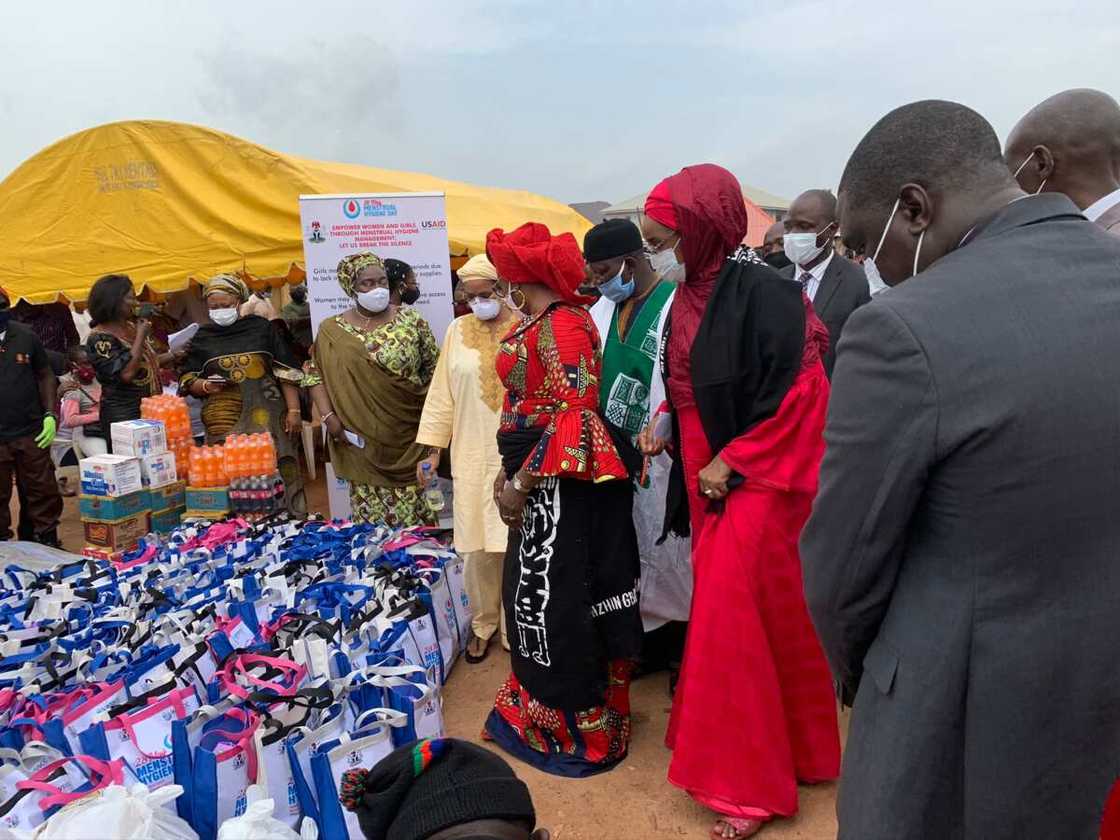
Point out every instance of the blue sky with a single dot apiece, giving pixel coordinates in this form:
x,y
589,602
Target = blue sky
x,y
577,100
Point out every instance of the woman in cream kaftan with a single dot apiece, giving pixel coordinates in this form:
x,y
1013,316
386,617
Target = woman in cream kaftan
x,y
463,409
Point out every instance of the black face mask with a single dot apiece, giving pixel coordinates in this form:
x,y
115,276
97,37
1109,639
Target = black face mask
x,y
299,296
410,295
778,259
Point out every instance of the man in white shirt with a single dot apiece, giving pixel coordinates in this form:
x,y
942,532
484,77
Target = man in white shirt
x,y
836,286
1070,143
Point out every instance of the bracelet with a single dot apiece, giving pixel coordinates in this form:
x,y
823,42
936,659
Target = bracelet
x,y
518,486
327,416
293,411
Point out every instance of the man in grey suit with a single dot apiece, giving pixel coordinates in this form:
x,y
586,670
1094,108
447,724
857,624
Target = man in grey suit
x,y
835,285
1070,143
962,562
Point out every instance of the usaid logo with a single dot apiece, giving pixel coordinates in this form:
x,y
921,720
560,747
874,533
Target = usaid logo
x,y
433,224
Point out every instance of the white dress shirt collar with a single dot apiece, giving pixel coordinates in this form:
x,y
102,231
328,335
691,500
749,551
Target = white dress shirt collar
x,y
1101,206
816,273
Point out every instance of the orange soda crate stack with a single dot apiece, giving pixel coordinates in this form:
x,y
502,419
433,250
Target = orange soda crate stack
x,y
176,418
255,486
208,491
173,413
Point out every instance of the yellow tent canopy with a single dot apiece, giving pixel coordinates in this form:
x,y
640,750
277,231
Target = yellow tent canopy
x,y
169,202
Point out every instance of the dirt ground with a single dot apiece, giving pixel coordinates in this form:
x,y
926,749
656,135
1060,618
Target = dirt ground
x,y
632,801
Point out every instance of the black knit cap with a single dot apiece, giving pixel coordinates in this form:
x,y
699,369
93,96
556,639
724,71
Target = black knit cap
x,y
611,238
432,785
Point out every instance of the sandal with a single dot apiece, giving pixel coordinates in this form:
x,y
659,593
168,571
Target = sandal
x,y
739,828
475,658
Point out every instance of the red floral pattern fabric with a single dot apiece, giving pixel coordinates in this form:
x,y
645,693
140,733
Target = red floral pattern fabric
x,y
550,367
597,736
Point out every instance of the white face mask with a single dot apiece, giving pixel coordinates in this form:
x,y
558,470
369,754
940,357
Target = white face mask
x,y
375,300
507,299
874,282
1022,166
664,262
802,248
224,317
869,267
485,309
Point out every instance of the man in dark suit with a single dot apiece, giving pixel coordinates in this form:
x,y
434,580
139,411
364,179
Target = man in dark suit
x,y
835,285
962,562
1070,143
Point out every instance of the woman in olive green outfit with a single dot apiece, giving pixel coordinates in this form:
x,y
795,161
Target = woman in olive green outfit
x,y
369,375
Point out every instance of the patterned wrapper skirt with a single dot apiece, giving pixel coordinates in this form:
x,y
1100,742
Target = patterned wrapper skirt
x,y
397,507
564,743
570,586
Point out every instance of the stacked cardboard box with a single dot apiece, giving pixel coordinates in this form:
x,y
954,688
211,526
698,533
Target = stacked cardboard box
x,y
114,505
147,440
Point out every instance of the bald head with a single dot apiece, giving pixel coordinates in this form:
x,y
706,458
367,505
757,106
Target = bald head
x,y
1069,143
918,181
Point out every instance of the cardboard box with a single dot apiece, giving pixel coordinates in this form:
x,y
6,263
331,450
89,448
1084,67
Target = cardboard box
x,y
138,438
170,496
208,499
112,507
117,534
92,552
166,521
158,470
208,515
110,475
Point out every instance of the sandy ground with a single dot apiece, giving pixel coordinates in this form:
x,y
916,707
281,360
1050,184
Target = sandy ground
x,y
632,801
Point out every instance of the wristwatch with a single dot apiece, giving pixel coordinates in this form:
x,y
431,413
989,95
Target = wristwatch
x,y
518,486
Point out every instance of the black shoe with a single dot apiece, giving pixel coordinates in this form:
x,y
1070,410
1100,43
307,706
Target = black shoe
x,y
49,538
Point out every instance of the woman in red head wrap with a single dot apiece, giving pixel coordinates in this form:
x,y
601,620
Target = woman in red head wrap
x,y
754,712
571,571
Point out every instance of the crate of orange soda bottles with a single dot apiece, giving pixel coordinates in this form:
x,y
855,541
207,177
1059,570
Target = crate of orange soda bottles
x,y
207,494
172,411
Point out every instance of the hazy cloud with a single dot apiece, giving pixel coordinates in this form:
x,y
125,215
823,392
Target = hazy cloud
x,y
578,100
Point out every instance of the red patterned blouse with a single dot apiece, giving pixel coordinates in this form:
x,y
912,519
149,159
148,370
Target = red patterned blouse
x,y
550,367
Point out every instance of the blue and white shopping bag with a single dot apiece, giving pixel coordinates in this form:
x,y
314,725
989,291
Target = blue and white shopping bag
x,y
328,764
142,740
301,746
225,764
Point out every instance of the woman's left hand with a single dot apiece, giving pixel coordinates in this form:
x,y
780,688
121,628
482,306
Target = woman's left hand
x,y
293,422
511,504
714,478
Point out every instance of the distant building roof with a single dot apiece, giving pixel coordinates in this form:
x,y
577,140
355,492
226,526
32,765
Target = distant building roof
x,y
761,198
591,210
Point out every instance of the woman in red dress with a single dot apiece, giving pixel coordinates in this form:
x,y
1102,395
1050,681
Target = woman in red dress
x,y
570,578
754,712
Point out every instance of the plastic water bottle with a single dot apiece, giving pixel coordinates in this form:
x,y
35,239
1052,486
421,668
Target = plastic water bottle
x,y
432,494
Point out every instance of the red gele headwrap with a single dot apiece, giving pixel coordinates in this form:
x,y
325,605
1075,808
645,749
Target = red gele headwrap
x,y
659,206
531,254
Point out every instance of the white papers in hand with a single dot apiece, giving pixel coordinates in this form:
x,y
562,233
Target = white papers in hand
x,y
178,340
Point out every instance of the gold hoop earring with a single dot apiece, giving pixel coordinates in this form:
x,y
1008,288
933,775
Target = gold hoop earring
x,y
513,300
